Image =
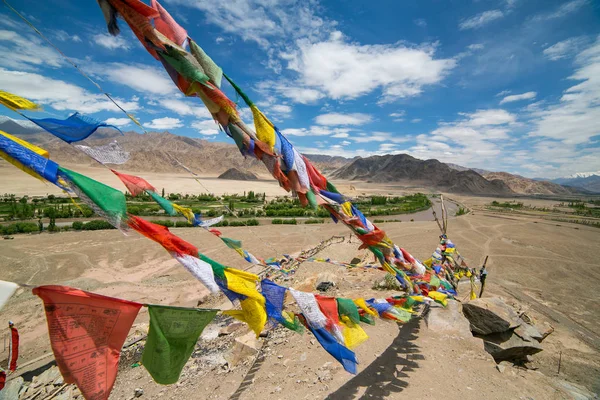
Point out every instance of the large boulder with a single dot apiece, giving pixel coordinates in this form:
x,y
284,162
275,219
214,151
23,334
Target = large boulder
x,y
508,346
528,332
490,315
12,389
449,320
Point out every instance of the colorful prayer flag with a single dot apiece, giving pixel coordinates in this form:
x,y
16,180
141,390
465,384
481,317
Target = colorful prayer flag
x,y
15,102
134,184
87,332
13,348
172,337
27,157
73,129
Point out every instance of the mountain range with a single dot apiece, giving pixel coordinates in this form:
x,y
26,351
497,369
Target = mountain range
x,y
156,151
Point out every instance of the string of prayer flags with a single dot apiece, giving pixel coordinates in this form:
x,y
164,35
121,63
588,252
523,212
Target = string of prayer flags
x,y
73,129
253,310
172,336
15,102
342,354
214,72
7,289
87,332
106,154
104,200
27,157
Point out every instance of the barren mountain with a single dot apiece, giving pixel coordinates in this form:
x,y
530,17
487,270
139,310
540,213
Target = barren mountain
x,y
403,168
154,152
521,185
237,175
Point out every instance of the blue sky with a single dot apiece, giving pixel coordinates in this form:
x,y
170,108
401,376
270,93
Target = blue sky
x,y
510,85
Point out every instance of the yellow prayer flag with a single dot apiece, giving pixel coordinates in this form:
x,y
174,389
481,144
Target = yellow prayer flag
x,y
185,211
264,128
253,310
353,333
439,297
15,102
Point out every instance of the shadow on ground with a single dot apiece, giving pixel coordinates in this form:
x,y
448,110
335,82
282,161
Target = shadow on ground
x,y
389,372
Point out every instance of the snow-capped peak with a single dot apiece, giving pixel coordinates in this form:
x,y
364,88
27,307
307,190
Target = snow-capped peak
x,y
583,174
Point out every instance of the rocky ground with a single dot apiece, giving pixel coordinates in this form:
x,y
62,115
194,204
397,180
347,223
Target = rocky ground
x,y
547,274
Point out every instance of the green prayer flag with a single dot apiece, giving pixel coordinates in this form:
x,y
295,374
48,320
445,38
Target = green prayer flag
x,y
105,200
163,203
172,336
232,243
348,308
214,72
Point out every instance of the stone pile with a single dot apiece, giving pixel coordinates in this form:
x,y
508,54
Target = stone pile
x,y
49,384
506,336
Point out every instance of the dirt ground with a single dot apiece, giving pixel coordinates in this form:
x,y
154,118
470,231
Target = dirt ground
x,y
550,269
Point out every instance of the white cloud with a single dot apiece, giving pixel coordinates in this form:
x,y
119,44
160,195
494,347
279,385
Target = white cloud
x,y
164,123
219,40
562,11
58,94
518,97
398,116
474,139
184,108
291,91
574,120
140,77
420,22
344,70
380,137
341,135
23,51
565,48
488,117
111,42
317,131
416,120
206,127
118,121
339,119
480,20
281,109
385,147
264,22
476,46
64,36
345,143
504,93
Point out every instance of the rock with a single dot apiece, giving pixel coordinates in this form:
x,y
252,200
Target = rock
x,y
490,315
138,392
229,329
526,332
210,332
500,368
326,279
244,346
65,395
576,392
12,389
449,320
545,331
509,346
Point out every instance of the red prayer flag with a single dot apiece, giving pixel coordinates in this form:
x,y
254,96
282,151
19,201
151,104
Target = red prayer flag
x,y
134,184
2,378
13,351
162,235
407,256
166,25
329,307
87,332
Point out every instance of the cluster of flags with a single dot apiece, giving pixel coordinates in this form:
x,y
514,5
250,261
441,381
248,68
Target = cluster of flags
x,y
87,330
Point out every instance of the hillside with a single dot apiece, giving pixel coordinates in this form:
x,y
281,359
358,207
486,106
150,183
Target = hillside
x,y
521,185
403,168
154,152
